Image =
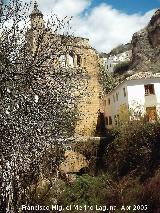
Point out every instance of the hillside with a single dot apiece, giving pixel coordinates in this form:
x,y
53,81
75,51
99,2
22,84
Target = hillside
x,y
117,50
120,49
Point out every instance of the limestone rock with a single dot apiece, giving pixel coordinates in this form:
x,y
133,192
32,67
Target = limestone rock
x,y
146,46
154,29
73,163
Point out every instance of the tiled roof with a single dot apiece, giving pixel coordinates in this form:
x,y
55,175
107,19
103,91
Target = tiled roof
x,y
137,76
143,75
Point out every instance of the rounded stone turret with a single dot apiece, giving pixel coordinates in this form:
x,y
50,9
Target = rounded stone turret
x,y
36,17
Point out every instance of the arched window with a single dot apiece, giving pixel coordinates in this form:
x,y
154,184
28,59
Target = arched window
x,y
71,59
63,60
79,60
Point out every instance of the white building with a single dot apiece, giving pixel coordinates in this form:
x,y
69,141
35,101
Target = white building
x,y
136,96
110,61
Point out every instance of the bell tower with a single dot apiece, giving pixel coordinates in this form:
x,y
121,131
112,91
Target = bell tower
x,y
36,18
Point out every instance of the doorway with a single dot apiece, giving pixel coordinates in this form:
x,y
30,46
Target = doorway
x,y
151,114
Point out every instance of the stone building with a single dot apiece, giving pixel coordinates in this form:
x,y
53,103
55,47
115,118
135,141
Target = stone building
x,y
77,53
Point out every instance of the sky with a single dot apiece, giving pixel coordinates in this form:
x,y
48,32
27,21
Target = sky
x,y
107,23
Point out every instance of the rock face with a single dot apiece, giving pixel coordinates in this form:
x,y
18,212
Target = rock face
x,y
146,46
72,164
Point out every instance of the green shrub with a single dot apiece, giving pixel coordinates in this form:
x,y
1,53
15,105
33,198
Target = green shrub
x,y
122,67
88,190
106,79
136,148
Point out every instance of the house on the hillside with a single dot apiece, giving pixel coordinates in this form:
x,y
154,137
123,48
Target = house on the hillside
x,y
111,60
136,96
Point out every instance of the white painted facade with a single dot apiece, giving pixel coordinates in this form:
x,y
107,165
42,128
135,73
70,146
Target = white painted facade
x,y
130,97
111,61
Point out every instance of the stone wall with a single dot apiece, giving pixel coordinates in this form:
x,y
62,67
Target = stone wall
x,y
89,104
78,53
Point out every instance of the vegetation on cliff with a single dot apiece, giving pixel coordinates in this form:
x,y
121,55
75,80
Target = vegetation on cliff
x,y
121,67
106,79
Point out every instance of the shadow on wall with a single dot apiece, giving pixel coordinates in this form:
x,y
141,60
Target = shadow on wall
x,y
105,139
100,127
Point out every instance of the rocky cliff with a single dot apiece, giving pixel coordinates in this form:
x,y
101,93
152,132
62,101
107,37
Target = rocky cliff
x,y
146,47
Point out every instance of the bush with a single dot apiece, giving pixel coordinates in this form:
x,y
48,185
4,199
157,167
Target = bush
x,y
151,192
136,148
88,190
121,67
106,79
130,190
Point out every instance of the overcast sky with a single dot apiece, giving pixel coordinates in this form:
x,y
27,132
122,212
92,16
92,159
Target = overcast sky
x,y
107,23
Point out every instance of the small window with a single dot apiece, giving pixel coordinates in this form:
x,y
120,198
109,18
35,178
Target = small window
x,y
124,91
149,89
106,121
110,120
109,101
105,102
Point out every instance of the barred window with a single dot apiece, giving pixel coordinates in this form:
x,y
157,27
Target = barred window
x,y
149,89
124,91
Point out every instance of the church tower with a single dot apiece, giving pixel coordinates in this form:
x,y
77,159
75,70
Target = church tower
x,y
36,17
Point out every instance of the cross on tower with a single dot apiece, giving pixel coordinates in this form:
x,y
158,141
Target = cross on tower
x,y
36,17
35,5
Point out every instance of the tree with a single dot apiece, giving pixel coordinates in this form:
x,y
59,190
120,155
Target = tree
x,y
38,98
106,80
